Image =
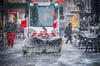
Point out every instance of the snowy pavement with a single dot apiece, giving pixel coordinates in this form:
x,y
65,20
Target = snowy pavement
x,y
70,55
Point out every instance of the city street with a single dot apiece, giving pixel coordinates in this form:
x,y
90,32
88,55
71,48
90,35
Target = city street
x,y
43,25
70,55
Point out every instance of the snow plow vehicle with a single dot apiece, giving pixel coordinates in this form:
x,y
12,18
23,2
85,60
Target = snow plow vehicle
x,y
42,31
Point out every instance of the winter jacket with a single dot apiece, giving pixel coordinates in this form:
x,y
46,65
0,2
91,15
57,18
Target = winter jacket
x,y
68,31
10,27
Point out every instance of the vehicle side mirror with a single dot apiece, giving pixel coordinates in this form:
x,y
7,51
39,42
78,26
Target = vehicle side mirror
x,y
24,23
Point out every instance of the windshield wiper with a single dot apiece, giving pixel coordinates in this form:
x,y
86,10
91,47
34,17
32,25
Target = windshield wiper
x,y
44,28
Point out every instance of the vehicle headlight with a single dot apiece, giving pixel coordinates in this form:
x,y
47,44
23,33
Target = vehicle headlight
x,y
31,4
56,4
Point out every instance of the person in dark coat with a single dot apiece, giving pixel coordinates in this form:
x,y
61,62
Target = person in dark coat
x,y
10,29
98,30
68,33
21,32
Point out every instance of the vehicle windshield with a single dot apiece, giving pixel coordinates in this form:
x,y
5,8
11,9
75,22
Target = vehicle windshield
x,y
44,17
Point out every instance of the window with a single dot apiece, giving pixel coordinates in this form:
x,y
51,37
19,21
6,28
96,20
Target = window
x,y
43,16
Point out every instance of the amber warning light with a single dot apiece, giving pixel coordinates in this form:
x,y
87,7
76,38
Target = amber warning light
x,y
33,1
60,1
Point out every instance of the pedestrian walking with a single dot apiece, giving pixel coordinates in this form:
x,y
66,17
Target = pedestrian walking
x,y
10,29
68,33
21,32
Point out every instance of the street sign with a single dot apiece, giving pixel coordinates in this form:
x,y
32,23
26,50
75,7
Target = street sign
x,y
74,11
14,12
69,15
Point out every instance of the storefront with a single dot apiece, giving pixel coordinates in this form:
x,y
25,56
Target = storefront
x,y
17,12
18,15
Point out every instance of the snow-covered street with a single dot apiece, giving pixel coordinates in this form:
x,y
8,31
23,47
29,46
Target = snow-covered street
x,y
70,55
